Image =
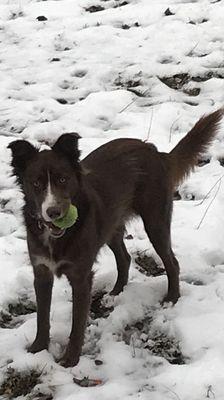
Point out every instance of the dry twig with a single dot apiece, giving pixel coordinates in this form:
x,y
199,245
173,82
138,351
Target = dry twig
x,y
204,215
150,125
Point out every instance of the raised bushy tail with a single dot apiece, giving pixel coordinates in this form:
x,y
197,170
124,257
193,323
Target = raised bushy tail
x,y
185,155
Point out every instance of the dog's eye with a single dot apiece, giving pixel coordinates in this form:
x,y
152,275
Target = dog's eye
x,y
62,180
36,184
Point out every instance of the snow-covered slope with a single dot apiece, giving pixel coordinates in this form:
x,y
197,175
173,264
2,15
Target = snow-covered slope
x,y
109,69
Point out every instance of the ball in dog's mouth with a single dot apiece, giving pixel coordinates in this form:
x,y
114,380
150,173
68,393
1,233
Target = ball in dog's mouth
x,y
69,218
58,226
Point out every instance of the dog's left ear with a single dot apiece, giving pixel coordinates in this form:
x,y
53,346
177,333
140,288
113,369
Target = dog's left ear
x,y
67,145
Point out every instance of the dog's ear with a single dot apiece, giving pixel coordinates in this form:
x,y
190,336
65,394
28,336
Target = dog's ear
x,y
22,153
67,145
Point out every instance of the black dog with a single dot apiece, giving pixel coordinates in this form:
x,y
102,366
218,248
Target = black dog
x,y
121,178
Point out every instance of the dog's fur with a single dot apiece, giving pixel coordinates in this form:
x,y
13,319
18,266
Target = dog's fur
x,y
119,179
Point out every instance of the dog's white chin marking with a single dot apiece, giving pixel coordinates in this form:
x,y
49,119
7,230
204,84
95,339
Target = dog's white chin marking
x,y
49,201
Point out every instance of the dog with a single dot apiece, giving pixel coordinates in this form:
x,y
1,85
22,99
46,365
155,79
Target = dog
x,y
122,178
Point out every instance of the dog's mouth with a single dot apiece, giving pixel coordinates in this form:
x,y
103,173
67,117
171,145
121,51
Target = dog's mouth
x,y
54,231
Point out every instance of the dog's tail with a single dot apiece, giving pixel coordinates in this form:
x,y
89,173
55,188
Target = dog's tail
x,y
184,157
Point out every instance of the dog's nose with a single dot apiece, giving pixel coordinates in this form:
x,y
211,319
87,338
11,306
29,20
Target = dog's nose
x,y
53,212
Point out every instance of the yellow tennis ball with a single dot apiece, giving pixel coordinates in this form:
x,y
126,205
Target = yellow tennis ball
x,y
69,218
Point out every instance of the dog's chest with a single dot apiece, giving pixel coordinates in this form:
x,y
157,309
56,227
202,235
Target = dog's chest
x,y
47,261
48,258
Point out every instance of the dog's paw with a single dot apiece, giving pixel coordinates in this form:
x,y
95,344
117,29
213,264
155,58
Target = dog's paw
x,y
170,299
118,288
69,361
38,345
71,356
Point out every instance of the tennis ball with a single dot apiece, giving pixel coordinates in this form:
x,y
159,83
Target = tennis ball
x,y
69,218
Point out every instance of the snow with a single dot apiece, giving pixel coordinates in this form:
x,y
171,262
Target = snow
x,y
95,63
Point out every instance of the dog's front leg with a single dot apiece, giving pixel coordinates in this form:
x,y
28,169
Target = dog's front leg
x,y
43,283
81,293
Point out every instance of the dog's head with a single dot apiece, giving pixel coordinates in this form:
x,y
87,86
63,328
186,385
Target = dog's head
x,y
50,179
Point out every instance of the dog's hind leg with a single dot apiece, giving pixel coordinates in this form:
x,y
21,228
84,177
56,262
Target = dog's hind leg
x,y
123,260
157,227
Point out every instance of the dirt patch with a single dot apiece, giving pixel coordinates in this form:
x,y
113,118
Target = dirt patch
x,y
14,15
192,92
122,4
93,9
5,319
129,237
125,26
202,21
221,160
10,317
203,161
159,344
3,203
79,73
62,101
208,75
127,84
167,60
41,18
55,59
22,307
167,13
176,81
180,81
166,347
148,266
98,309
17,383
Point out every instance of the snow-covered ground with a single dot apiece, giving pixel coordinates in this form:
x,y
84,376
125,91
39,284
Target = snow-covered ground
x,y
104,68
